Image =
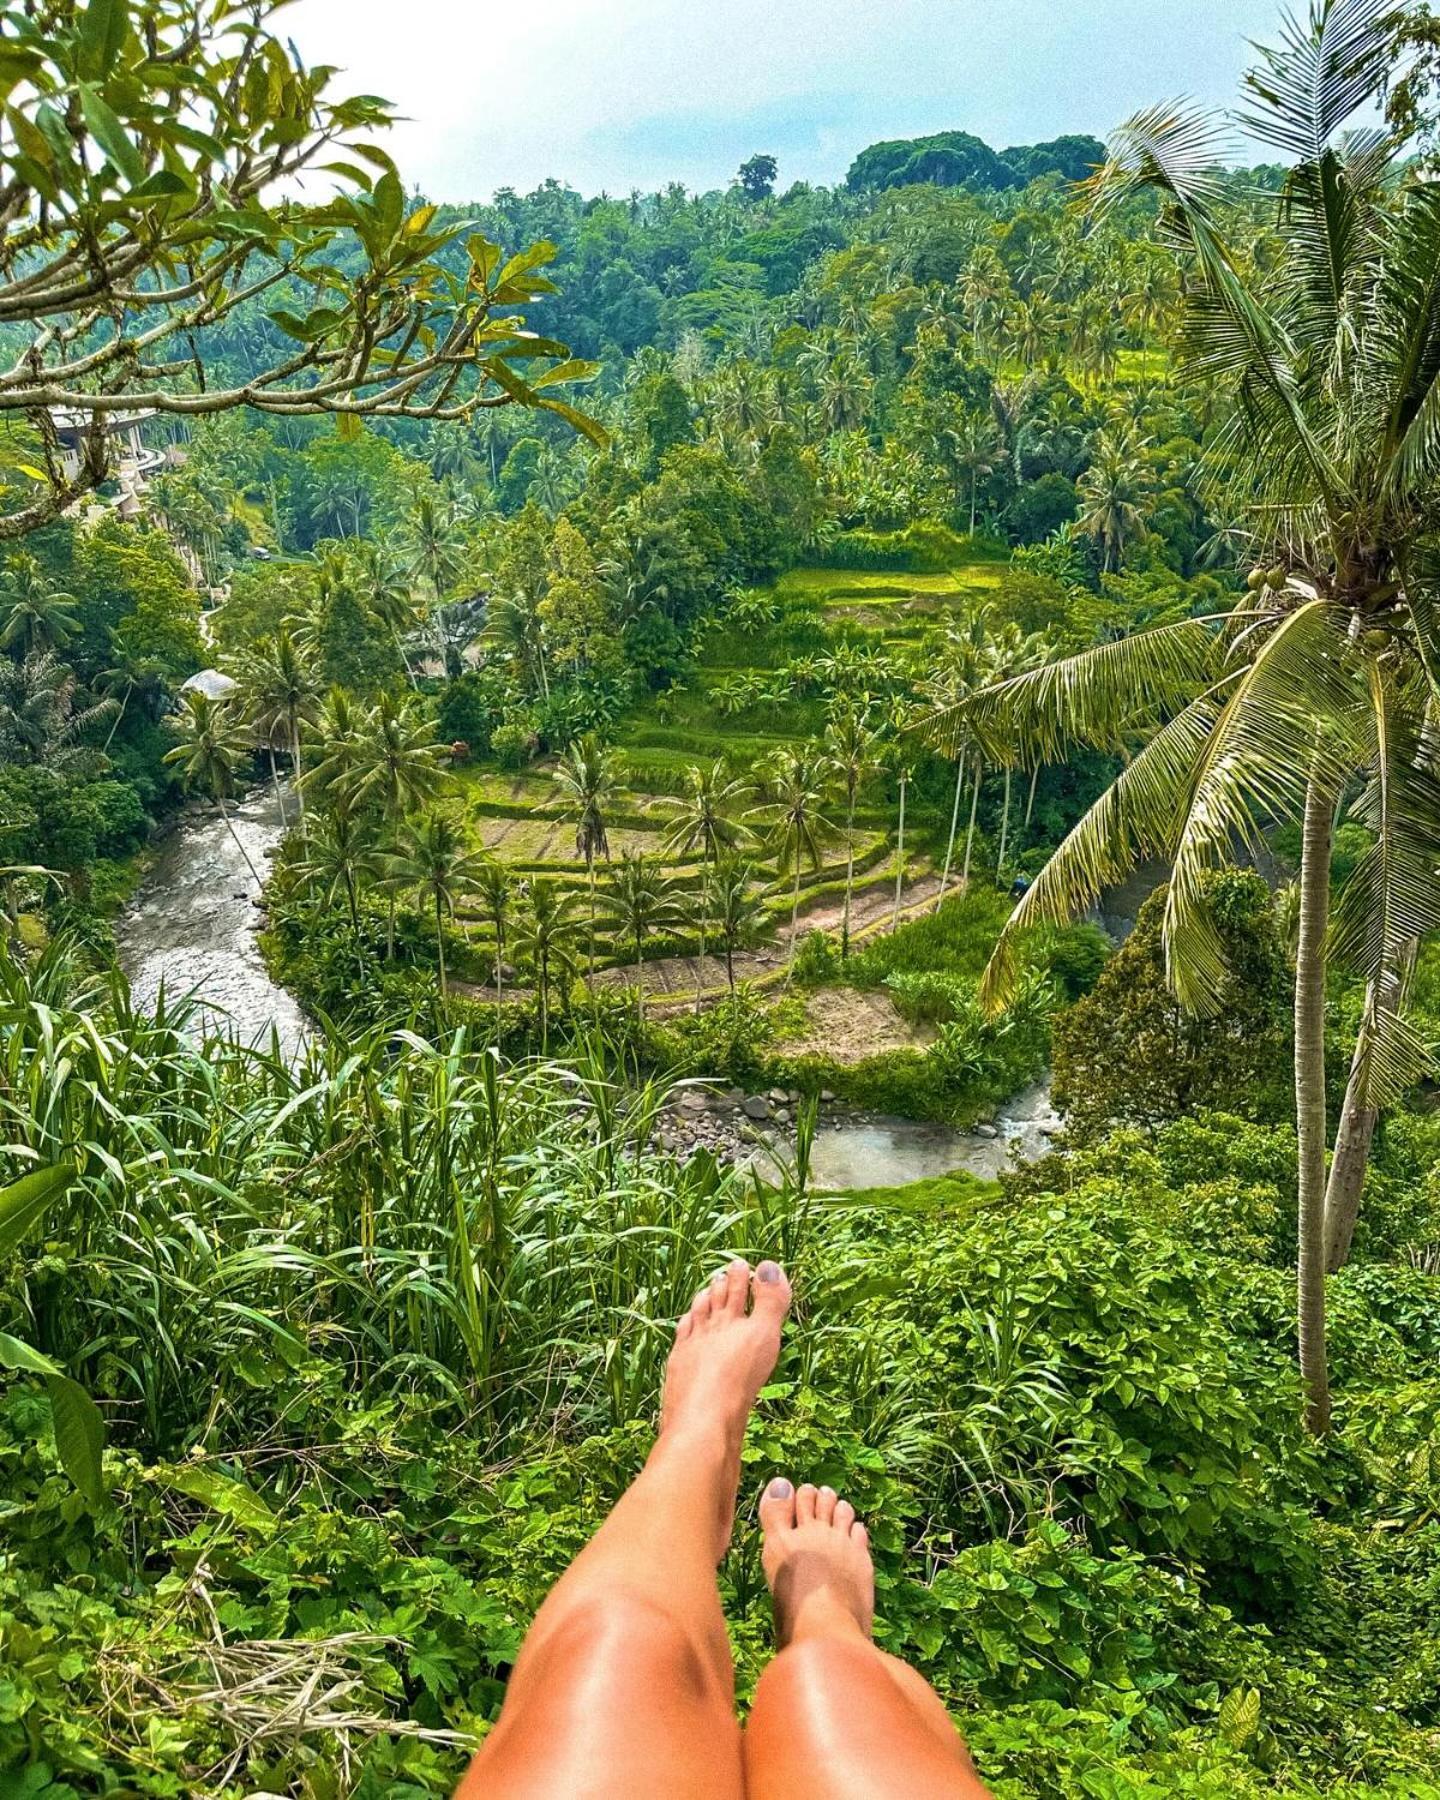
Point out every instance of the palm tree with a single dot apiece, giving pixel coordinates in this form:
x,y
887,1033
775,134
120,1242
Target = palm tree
x,y
852,746
964,669
496,894
214,742
395,770
976,449
1327,677
1113,493
385,591
337,734
734,904
279,696
339,854
434,863
798,781
37,617
706,817
543,938
586,778
642,899
39,721
434,549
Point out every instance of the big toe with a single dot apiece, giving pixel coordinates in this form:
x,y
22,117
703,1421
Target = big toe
x,y
771,1290
777,1506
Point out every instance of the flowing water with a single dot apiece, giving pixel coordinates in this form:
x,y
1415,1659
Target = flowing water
x,y
887,1152
192,925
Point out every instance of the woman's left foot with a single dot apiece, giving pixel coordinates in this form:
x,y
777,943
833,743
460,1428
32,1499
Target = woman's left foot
x,y
725,1349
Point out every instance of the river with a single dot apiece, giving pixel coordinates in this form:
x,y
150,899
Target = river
x,y
192,924
889,1152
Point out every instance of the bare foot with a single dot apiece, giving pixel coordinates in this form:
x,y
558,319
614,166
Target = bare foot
x,y
725,1348
817,1561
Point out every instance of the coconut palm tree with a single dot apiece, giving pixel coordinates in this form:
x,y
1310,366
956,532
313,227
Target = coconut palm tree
x,y
544,936
976,450
964,668
852,746
37,618
384,590
707,817
215,742
339,855
39,720
279,698
434,863
641,900
1327,676
394,770
586,778
1114,491
337,733
798,781
495,891
734,904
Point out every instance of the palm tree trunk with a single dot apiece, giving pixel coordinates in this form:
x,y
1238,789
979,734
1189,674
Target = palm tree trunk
x,y
1357,1124
730,965
440,943
970,828
1318,832
1030,803
390,931
639,979
499,960
295,764
275,783
704,925
544,973
1004,830
794,922
950,841
849,877
899,857
974,483
230,827
350,895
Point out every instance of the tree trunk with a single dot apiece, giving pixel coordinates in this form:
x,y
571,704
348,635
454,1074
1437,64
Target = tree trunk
x,y
1357,1125
794,922
970,828
1030,803
440,943
1310,1100
974,483
730,965
275,783
544,974
230,827
639,979
1004,830
499,960
899,858
849,877
950,841
591,977
704,927
295,762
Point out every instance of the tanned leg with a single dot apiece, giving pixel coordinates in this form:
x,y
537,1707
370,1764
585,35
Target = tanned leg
x,y
835,1717
624,1686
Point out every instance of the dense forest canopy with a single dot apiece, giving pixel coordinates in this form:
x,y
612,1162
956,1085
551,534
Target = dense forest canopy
x,y
859,653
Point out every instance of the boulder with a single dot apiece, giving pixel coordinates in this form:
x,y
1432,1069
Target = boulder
x,y
777,1096
827,1097
755,1106
693,1100
986,1131
782,1115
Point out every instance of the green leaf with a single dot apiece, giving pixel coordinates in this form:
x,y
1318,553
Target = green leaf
x,y
102,34
221,1493
16,1354
22,1203
1240,1716
79,1435
111,136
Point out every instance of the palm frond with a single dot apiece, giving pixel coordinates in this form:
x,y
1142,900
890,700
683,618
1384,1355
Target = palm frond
x,y
1325,68
1293,717
1137,816
1093,698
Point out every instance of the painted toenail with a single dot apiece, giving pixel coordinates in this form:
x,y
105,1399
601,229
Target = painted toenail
x,y
768,1271
779,1489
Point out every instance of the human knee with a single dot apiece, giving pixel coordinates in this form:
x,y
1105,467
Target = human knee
x,y
814,1666
624,1629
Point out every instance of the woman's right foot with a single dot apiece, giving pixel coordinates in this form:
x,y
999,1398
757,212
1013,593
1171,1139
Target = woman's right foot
x,y
817,1561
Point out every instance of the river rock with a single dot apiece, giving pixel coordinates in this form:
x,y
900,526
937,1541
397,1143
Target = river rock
x,y
777,1096
755,1106
827,1098
693,1100
782,1115
986,1131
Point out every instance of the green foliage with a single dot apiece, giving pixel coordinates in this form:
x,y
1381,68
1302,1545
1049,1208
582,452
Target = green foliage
x,y
1130,1054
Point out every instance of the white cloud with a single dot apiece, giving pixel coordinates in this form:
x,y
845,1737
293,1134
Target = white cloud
x,y
634,92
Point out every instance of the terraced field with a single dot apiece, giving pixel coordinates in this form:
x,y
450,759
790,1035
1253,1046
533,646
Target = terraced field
x,y
521,818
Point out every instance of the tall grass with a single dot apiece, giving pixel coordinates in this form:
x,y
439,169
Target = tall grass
x,y
498,1240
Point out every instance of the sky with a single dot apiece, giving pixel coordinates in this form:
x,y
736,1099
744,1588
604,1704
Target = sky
x,y
610,95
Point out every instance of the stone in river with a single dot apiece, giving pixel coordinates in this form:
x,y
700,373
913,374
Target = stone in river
x,y
986,1131
756,1106
782,1115
827,1098
777,1096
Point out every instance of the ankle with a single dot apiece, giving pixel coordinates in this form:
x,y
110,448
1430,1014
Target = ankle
x,y
819,1616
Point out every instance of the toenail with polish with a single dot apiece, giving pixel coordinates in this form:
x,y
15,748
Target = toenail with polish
x,y
769,1271
779,1489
